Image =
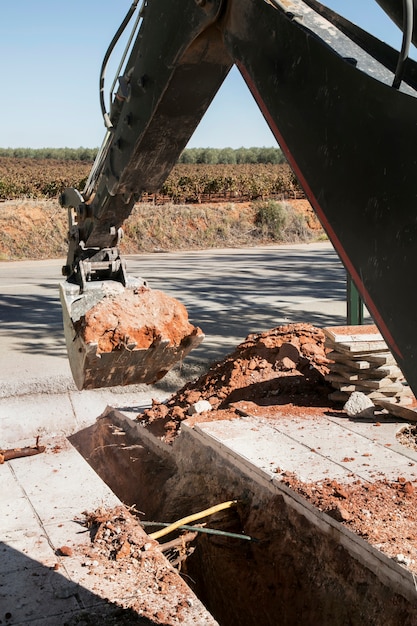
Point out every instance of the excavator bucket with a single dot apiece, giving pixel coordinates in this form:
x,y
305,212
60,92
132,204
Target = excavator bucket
x,y
117,335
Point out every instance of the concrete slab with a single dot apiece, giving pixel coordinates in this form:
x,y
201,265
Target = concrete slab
x,y
17,514
266,450
37,491
46,594
313,449
382,430
88,405
24,417
63,473
31,543
354,451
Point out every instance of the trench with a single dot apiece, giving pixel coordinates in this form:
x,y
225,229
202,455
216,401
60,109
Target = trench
x,y
292,573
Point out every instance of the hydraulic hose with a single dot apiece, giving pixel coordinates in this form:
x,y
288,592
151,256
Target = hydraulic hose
x,y
408,19
109,51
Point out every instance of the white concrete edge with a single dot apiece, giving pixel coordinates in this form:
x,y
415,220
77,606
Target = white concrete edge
x,y
157,445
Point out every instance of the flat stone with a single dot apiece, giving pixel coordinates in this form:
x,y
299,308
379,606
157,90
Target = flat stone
x,y
397,410
200,407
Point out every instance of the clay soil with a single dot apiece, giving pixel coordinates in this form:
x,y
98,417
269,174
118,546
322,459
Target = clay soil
x,y
121,551
279,373
281,368
25,231
136,319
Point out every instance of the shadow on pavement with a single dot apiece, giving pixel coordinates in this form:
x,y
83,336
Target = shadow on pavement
x,y
35,594
228,295
35,321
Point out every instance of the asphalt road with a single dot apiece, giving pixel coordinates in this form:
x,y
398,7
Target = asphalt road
x,y
228,293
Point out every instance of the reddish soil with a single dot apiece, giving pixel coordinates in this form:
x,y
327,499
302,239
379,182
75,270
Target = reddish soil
x,y
120,550
383,512
136,319
281,367
280,373
303,206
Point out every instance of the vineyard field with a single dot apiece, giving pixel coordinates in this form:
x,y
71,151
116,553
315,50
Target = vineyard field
x,y
46,179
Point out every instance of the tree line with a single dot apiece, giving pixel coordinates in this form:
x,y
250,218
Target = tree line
x,y
57,154
232,156
191,156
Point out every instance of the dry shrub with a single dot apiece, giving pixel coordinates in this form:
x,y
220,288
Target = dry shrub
x,y
187,227
279,221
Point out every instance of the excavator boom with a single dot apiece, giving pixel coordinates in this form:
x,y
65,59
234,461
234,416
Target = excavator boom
x,y
341,104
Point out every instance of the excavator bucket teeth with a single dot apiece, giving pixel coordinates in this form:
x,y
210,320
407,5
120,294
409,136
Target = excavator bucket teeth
x,y
123,336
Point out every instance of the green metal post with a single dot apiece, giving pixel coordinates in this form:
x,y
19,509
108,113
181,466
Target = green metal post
x,y
354,304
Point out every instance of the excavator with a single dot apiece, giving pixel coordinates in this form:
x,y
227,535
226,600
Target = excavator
x,y
342,106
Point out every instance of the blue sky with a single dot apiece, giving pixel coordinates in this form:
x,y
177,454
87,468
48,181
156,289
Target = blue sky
x,y
50,58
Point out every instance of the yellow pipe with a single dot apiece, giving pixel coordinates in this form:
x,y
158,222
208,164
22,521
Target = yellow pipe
x,y
192,518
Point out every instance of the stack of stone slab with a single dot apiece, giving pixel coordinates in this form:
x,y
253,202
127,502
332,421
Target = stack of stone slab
x,y
361,361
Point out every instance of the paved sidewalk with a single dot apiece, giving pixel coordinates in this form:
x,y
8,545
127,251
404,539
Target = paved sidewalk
x,y
316,449
42,497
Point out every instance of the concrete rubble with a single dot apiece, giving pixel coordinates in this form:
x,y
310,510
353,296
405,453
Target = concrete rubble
x,y
359,405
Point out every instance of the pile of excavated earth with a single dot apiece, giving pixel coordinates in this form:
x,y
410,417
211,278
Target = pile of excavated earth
x,y
280,372
283,366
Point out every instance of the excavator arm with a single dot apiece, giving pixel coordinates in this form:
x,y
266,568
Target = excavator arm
x,y
341,104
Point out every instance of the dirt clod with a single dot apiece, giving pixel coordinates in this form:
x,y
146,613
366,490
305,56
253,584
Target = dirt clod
x,y
136,319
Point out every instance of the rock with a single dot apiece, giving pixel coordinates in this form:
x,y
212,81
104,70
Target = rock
x,y
199,407
339,492
193,396
178,413
65,551
403,560
124,551
359,405
339,514
287,364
